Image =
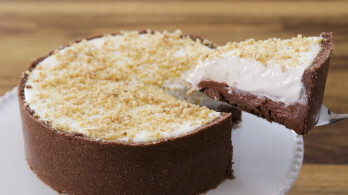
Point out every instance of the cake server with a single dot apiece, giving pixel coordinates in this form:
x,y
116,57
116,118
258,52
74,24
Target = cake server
x,y
327,117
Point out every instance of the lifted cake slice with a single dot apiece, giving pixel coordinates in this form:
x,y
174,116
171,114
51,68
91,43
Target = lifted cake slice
x,y
279,80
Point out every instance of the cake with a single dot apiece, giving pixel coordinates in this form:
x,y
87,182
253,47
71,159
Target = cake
x,y
279,80
107,115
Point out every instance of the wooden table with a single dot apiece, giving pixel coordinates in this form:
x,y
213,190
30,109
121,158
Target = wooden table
x,y
29,29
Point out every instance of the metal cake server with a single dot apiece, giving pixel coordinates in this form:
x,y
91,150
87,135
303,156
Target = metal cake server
x,y
327,117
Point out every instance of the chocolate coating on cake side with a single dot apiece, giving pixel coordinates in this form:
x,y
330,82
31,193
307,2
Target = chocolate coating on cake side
x,y
74,164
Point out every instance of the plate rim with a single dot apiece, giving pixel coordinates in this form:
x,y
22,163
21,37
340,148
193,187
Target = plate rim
x,y
295,166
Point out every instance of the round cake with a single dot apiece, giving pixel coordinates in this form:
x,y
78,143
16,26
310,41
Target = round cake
x,y
107,115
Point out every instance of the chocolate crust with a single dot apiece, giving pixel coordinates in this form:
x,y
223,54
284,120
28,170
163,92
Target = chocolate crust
x,y
77,164
299,117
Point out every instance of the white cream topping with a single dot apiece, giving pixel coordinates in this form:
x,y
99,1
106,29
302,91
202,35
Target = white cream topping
x,y
249,75
179,130
44,112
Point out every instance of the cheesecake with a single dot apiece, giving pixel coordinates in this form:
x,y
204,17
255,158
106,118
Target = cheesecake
x,y
108,115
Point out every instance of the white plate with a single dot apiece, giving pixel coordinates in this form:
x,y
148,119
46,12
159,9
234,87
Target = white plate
x,y
267,157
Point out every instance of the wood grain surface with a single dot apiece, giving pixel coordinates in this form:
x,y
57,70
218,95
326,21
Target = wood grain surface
x,y
29,29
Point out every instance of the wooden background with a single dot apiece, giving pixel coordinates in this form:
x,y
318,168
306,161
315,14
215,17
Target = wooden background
x,y
29,29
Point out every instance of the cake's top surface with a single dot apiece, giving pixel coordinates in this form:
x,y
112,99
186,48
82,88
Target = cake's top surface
x,y
297,51
270,68
111,87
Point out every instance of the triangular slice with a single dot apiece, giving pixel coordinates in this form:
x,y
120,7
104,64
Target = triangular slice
x,y
279,80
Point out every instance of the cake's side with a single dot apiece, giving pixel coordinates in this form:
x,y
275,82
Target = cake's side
x,y
75,164
314,80
297,116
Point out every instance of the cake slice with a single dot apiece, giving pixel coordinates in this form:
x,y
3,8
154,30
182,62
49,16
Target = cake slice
x,y
279,80
98,117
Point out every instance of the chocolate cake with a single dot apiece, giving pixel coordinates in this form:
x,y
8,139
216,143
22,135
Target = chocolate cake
x,y
99,117
279,80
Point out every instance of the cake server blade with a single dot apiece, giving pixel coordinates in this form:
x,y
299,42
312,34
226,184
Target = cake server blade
x,y
327,117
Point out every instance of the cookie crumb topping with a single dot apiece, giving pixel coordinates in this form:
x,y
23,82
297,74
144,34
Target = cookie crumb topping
x,y
275,51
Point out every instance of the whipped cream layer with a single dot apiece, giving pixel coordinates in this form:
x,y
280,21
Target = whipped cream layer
x,y
277,78
78,90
